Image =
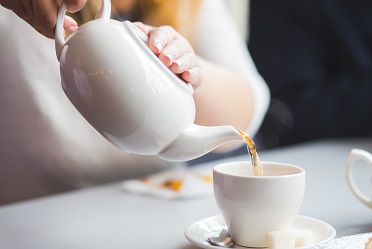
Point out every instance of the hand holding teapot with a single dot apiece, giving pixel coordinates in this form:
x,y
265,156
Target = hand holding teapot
x,y
40,14
174,51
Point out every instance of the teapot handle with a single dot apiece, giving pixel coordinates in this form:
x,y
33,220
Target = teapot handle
x,y
103,13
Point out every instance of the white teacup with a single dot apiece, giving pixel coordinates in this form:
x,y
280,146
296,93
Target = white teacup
x,y
253,205
358,154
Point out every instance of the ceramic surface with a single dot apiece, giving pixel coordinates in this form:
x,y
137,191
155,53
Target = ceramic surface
x,y
198,232
253,205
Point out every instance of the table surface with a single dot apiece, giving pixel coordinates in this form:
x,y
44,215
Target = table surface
x,y
106,217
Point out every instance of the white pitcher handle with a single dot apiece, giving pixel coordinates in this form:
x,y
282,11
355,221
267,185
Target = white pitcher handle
x,y
358,154
103,13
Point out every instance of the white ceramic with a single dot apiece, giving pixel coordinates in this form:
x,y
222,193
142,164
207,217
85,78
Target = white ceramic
x,y
125,92
198,232
254,205
354,155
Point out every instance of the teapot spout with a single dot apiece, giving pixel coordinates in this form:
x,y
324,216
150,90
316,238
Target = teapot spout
x,y
197,140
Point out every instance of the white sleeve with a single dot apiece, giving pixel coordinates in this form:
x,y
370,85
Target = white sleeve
x,y
217,39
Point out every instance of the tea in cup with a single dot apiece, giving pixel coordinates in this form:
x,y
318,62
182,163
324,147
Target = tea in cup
x,y
355,155
252,206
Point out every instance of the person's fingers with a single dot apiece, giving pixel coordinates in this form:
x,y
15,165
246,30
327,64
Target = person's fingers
x,y
28,7
46,15
70,24
158,40
173,45
36,26
174,49
183,63
24,10
155,46
193,76
42,14
75,5
12,5
145,28
160,37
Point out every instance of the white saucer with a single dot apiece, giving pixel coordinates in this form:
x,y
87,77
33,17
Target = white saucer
x,y
198,232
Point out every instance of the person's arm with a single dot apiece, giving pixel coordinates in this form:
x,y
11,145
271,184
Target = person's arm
x,y
42,14
224,97
232,93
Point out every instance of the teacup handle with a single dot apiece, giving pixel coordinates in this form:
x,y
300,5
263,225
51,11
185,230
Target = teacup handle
x,y
358,154
103,13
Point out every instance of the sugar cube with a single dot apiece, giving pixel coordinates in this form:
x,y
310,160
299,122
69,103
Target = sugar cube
x,y
303,237
289,239
281,239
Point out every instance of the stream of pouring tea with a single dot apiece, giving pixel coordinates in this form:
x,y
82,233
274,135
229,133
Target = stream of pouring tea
x,y
252,151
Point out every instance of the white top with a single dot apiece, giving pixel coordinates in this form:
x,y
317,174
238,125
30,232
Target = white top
x,y
47,145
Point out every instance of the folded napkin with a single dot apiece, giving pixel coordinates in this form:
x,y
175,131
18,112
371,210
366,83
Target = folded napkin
x,y
178,182
356,241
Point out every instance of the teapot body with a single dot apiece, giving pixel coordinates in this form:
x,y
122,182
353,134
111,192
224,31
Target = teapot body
x,y
125,92
122,89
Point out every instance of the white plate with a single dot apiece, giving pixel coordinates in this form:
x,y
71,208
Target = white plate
x,y
198,232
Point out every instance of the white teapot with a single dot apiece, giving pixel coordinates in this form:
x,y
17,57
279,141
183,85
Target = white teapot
x,y
125,92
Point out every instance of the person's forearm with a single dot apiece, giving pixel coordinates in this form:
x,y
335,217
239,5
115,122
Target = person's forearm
x,y
224,98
